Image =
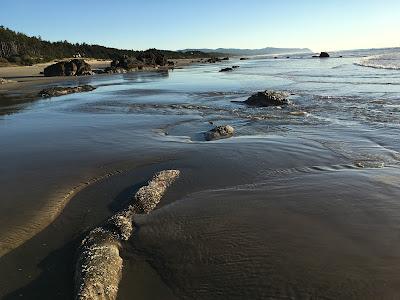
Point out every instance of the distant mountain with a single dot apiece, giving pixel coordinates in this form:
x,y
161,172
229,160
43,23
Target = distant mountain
x,y
249,52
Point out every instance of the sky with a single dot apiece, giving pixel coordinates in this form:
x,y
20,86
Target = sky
x,y
179,24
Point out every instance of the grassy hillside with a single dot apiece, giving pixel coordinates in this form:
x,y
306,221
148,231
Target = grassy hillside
x,y
18,48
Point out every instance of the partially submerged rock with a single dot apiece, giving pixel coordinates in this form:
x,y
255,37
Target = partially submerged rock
x,y
99,263
219,132
214,60
115,70
324,55
244,58
226,70
268,98
65,90
75,67
235,67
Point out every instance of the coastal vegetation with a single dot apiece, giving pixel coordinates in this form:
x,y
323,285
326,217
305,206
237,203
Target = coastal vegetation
x,y
21,49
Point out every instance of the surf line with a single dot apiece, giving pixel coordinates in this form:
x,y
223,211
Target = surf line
x,y
98,269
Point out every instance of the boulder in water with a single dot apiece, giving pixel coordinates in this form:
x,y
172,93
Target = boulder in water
x,y
61,90
268,98
226,70
324,55
214,60
219,132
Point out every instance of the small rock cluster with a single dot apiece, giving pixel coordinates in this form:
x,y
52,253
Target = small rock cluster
x,y
148,59
65,90
214,60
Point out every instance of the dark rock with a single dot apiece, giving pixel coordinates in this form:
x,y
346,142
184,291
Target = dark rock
x,y
226,70
82,67
324,55
75,67
268,98
219,132
125,62
225,58
213,60
235,67
99,71
60,90
152,57
70,69
243,58
115,70
57,69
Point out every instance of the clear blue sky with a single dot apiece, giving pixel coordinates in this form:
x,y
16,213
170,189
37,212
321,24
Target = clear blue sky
x,y
176,24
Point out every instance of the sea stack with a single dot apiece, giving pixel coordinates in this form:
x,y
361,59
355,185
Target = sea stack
x,y
324,55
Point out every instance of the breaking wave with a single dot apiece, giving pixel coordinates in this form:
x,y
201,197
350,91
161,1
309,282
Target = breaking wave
x,y
390,61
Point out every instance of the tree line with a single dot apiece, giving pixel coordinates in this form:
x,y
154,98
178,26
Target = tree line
x,y
18,48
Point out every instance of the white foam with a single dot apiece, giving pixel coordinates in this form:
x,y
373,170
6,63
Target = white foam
x,y
390,61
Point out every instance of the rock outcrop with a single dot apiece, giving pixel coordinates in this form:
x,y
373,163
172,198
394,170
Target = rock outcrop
x,y
324,55
126,63
99,264
152,57
75,67
145,60
61,90
214,60
219,132
268,98
226,70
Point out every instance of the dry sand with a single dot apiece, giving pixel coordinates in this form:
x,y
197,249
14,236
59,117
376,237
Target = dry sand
x,y
26,73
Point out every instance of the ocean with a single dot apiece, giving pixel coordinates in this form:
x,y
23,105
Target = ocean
x,y
301,203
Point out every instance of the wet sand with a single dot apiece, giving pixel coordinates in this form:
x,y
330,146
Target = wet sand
x,y
294,206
